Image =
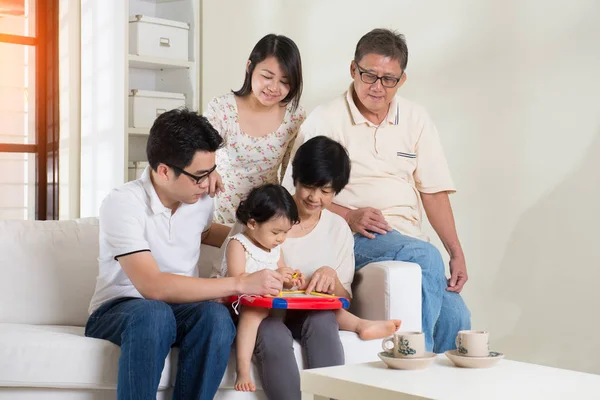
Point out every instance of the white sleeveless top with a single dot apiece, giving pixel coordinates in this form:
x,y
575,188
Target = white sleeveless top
x,y
257,259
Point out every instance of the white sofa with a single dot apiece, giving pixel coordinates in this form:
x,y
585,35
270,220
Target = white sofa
x,y
48,272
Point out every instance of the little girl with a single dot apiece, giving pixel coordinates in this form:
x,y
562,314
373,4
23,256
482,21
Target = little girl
x,y
268,213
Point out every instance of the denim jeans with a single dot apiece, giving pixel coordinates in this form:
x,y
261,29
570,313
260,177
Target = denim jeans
x,y
444,313
319,337
147,329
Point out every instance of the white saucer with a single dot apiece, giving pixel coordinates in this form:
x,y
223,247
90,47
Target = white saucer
x,y
407,363
474,362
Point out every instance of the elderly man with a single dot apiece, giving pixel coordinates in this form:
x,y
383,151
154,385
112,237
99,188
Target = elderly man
x,y
397,165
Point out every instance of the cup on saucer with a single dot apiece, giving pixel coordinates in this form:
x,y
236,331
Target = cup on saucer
x,y
473,350
405,345
473,343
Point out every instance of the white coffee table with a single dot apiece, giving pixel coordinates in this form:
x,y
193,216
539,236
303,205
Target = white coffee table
x,y
442,380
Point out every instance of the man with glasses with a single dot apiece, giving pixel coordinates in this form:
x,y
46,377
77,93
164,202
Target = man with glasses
x,y
398,168
147,298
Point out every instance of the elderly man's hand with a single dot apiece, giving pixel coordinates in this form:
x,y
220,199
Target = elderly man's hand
x,y
458,277
367,220
215,184
323,281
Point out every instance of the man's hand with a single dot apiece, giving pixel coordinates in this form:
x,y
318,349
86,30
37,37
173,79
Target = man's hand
x,y
458,277
323,281
367,219
261,283
286,273
215,184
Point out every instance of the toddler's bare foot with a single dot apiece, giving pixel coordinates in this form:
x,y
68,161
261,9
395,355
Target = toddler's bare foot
x,y
243,382
368,330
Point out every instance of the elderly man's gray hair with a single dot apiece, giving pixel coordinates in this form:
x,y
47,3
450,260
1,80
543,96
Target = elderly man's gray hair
x,y
384,42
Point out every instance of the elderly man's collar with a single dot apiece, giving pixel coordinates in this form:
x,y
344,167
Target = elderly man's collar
x,y
392,118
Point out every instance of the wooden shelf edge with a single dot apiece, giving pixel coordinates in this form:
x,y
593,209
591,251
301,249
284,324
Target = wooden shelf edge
x,y
138,131
144,62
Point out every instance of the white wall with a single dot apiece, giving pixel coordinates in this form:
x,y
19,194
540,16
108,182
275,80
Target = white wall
x,y
513,87
69,149
103,93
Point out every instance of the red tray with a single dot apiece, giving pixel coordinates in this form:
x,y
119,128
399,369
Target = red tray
x,y
294,300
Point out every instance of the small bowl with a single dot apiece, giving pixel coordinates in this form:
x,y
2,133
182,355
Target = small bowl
x,y
407,363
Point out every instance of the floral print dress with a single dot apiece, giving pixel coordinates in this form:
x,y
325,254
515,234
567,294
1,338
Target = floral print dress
x,y
245,162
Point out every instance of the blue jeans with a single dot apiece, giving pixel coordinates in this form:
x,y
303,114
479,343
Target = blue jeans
x,y
147,329
444,313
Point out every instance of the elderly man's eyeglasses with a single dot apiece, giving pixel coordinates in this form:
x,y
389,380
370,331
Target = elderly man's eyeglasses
x,y
196,178
386,81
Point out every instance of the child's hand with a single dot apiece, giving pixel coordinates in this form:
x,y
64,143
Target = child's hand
x,y
298,279
286,273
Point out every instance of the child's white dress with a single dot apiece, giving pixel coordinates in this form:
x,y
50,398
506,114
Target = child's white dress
x,y
257,259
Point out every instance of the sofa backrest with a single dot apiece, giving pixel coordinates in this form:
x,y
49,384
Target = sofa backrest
x,y
48,271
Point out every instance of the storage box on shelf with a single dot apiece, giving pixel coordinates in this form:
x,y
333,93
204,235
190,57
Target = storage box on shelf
x,y
158,37
146,105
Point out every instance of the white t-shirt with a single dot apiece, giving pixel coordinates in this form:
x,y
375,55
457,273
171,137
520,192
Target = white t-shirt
x,y
257,259
133,219
329,244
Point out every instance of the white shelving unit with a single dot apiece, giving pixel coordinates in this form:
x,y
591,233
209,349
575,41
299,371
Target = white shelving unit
x,y
160,74
109,72
143,62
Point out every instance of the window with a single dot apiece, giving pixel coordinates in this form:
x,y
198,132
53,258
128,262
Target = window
x,y
29,109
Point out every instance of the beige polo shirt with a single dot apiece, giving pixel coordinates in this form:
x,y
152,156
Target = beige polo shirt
x,y
390,164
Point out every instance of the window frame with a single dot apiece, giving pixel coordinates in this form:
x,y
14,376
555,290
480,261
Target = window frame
x,y
47,116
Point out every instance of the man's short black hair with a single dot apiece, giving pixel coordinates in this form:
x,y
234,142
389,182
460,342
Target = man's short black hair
x,y
177,135
265,202
321,161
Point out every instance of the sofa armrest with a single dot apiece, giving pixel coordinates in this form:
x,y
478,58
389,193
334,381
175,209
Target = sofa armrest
x,y
389,289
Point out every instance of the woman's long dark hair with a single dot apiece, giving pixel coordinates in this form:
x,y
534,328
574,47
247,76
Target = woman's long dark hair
x,y
287,54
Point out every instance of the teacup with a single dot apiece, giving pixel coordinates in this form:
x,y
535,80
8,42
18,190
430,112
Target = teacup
x,y
473,343
405,345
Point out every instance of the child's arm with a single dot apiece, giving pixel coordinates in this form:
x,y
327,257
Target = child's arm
x,y
236,258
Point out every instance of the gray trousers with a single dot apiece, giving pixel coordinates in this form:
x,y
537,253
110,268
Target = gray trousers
x,y
318,333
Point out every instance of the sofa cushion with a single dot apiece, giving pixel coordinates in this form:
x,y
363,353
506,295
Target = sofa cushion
x,y
60,357
49,271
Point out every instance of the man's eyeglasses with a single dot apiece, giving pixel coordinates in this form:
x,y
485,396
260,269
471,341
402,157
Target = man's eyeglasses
x,y
196,178
386,81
